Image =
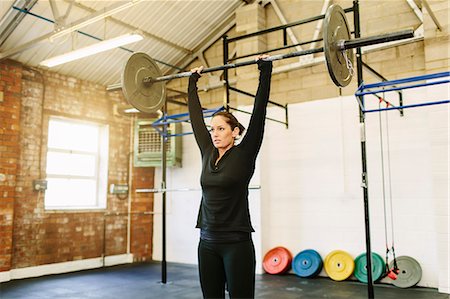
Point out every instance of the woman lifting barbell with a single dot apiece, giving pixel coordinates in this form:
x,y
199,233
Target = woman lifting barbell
x,y
226,254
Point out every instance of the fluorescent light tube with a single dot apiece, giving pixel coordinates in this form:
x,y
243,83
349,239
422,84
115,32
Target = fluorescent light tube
x,y
92,49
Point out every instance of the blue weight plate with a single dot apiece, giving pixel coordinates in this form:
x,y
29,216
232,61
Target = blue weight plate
x,y
307,263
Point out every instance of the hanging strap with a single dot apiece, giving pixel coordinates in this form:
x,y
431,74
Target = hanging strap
x,y
390,192
385,204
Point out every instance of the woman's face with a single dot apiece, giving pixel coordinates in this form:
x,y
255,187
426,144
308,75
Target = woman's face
x,y
221,134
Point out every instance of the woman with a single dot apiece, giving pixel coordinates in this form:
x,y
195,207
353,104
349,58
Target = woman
x,y
226,253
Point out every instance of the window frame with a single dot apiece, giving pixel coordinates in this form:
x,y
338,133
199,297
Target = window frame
x,y
101,160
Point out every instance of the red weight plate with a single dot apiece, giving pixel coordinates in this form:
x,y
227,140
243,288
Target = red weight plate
x,y
277,260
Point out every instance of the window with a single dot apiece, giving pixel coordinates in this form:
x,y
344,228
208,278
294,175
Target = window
x,y
77,159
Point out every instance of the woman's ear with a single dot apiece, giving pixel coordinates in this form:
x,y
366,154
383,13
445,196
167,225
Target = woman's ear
x,y
235,132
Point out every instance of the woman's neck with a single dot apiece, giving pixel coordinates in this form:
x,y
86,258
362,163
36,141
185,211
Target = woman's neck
x,y
222,151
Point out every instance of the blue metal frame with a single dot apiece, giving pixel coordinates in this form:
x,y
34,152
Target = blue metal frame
x,y
387,86
177,118
407,106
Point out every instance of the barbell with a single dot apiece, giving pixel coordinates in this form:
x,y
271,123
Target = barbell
x,y
143,84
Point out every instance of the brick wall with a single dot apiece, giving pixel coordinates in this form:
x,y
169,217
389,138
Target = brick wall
x,y
10,97
31,236
142,219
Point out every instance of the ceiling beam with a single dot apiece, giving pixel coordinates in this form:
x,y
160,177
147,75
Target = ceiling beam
x,y
12,18
132,28
62,31
432,15
60,20
207,42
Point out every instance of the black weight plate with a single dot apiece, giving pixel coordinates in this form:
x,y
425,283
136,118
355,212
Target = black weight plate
x,y
146,97
335,28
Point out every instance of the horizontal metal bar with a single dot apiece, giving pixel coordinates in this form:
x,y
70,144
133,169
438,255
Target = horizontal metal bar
x,y
177,135
377,39
171,100
168,122
361,93
405,80
358,42
183,116
282,27
129,213
275,49
269,118
233,65
252,96
161,190
407,106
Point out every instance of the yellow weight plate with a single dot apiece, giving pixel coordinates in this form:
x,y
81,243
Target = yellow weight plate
x,y
339,265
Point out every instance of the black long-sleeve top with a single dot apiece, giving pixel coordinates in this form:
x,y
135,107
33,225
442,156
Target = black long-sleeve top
x,y
224,205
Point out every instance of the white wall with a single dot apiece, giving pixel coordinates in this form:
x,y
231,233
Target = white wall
x,y
310,176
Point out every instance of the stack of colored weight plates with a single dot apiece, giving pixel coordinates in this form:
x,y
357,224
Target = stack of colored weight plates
x,y
277,260
409,274
307,263
339,265
378,267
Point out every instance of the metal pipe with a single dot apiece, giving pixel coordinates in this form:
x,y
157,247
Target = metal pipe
x,y
252,96
408,106
269,118
163,186
226,100
231,65
276,49
160,190
364,175
405,80
402,87
130,181
281,27
377,39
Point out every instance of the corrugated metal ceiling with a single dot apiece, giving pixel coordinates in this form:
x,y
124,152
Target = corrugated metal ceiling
x,y
173,30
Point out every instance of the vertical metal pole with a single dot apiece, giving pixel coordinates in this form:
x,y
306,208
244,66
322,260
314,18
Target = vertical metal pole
x,y
163,187
285,42
104,240
364,182
286,114
225,73
400,103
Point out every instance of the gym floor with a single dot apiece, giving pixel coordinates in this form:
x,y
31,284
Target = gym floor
x,y
140,281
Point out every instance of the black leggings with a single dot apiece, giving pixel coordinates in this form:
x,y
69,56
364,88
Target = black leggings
x,y
231,263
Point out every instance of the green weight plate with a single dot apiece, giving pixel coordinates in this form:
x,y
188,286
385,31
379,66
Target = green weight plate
x,y
380,261
335,28
378,267
146,97
409,274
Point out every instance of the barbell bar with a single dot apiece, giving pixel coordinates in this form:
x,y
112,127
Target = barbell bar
x,y
142,82
161,190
